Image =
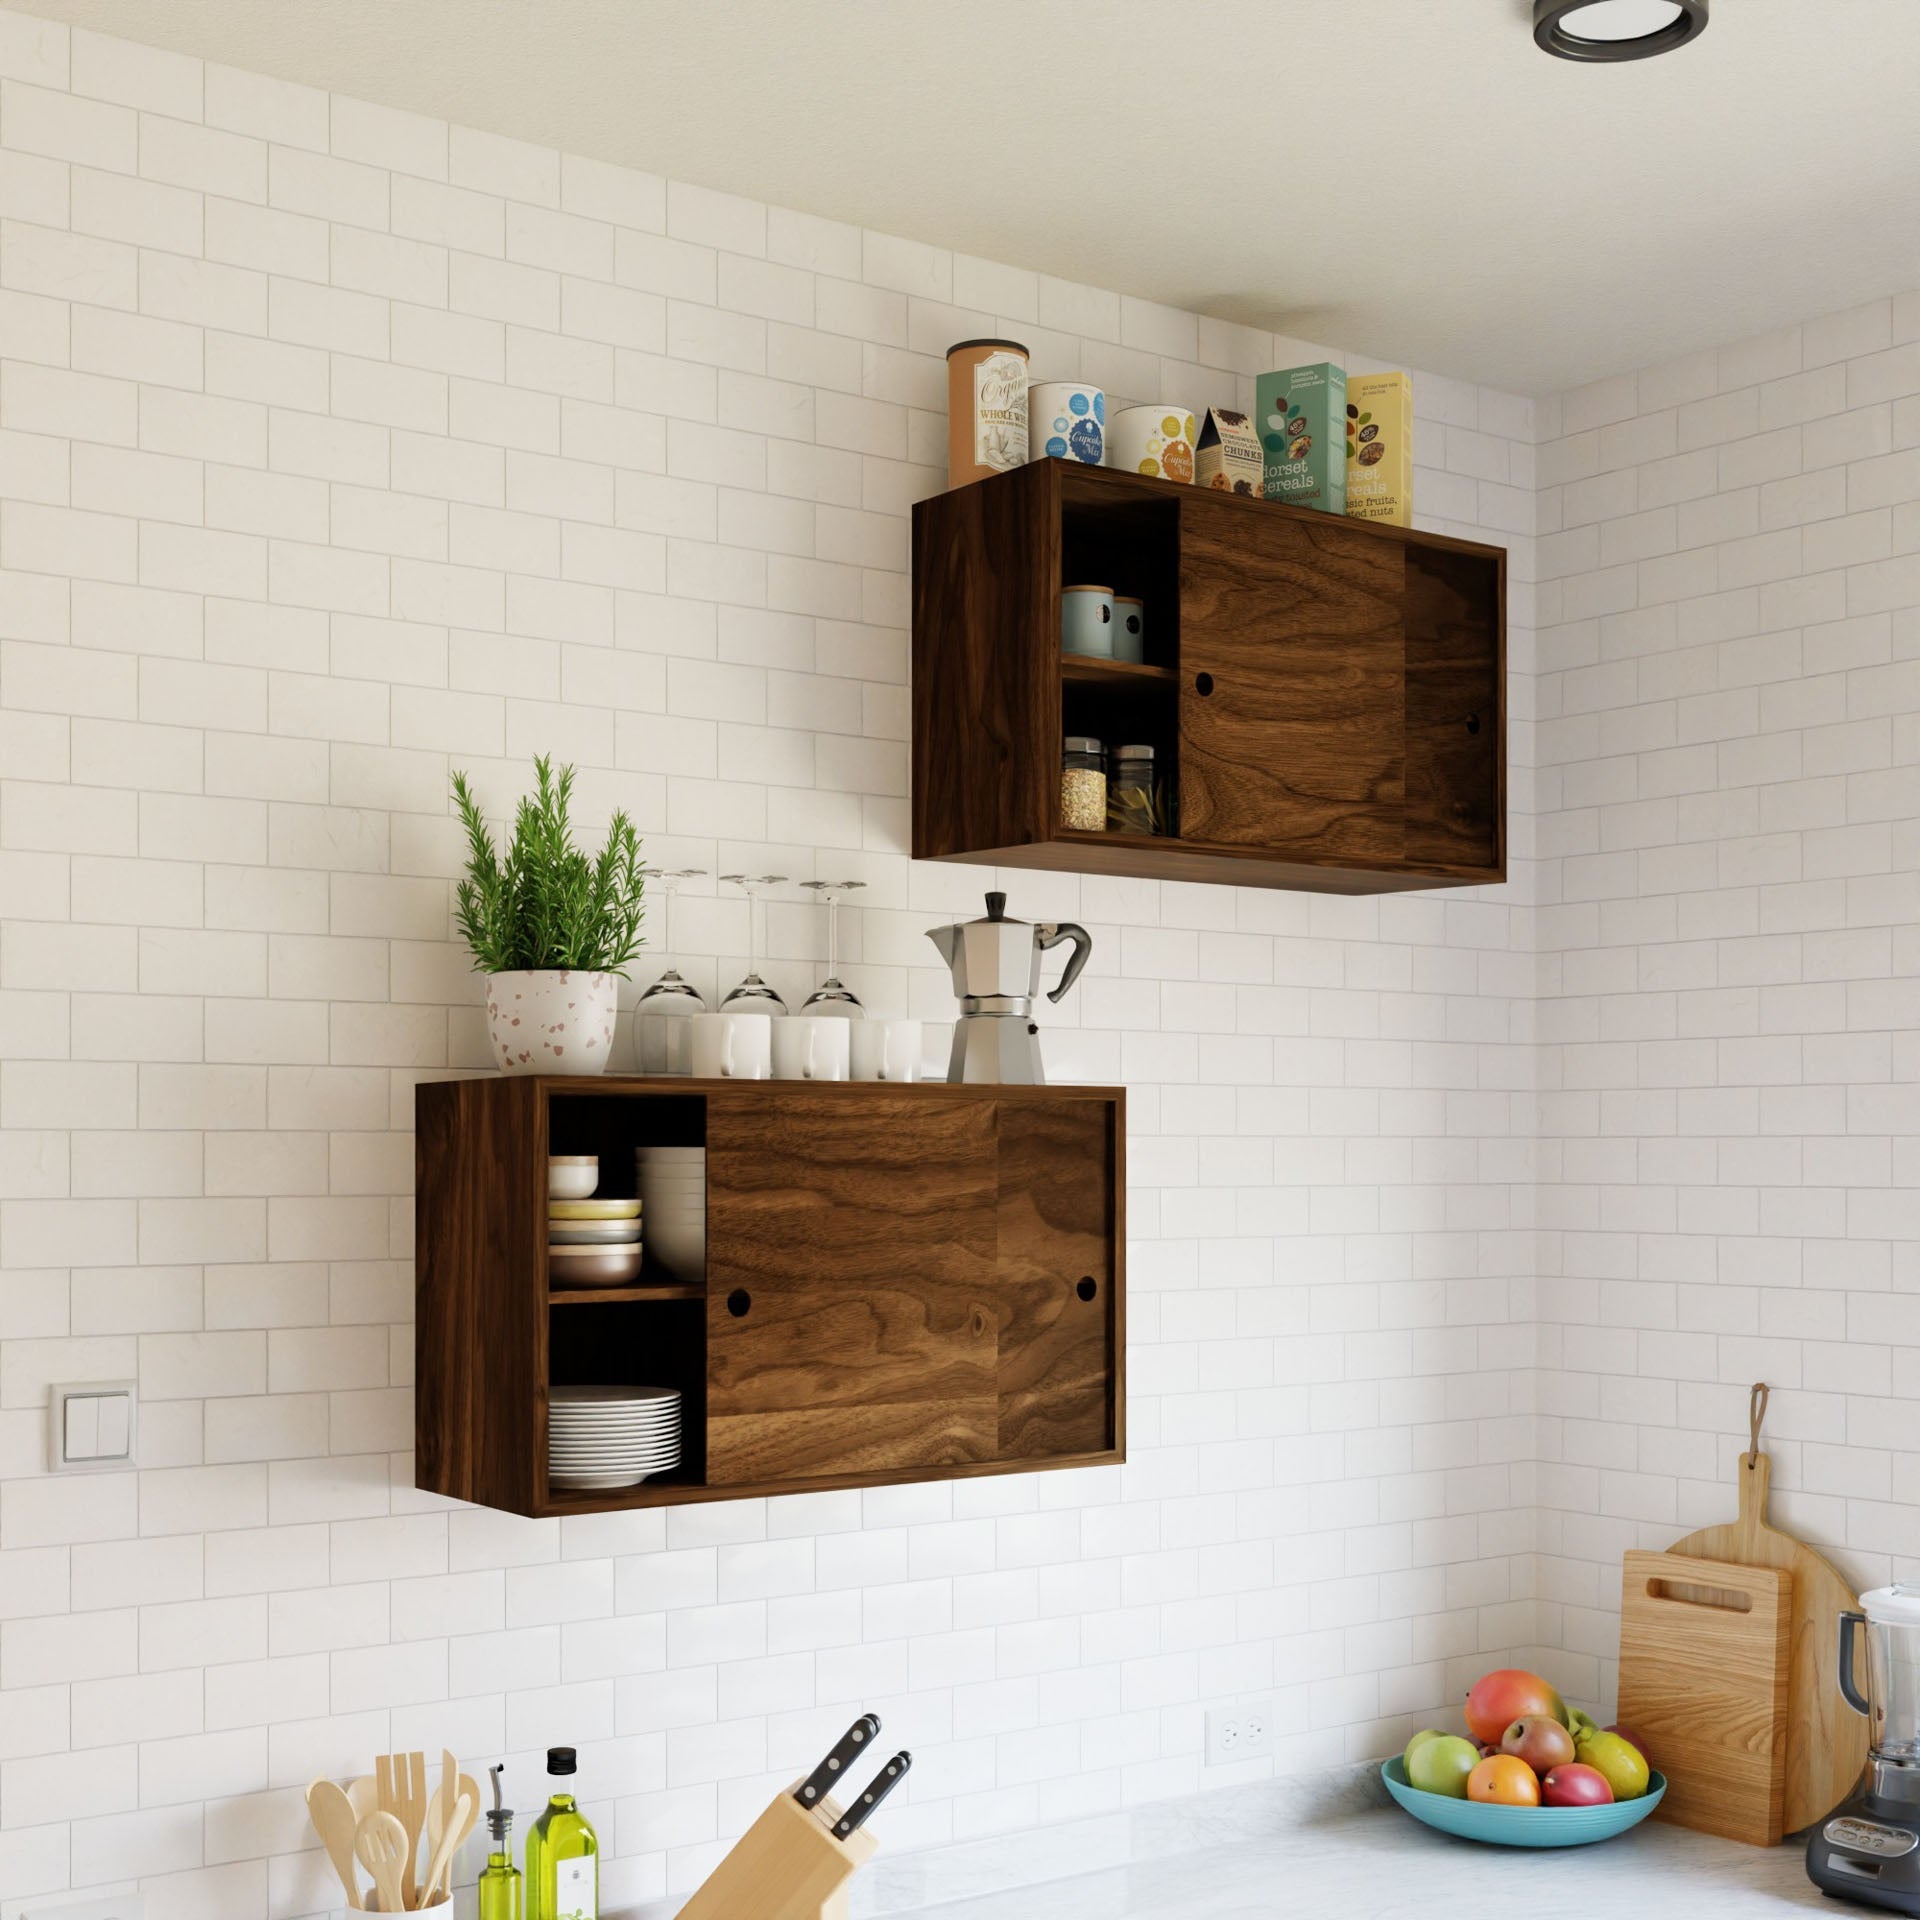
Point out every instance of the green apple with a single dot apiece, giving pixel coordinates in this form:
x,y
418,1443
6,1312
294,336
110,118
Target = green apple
x,y
1583,1726
1441,1765
1418,1741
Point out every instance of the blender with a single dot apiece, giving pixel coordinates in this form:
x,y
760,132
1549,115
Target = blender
x,y
1869,1848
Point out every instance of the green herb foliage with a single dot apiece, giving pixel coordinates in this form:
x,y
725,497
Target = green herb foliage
x,y
546,904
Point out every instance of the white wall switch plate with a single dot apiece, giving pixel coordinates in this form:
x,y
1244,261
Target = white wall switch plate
x,y
118,1906
91,1428
1240,1730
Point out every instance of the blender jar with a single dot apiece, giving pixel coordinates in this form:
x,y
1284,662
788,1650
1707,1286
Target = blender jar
x,y
1891,1617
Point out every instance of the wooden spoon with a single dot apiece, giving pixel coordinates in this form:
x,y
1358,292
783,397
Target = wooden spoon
x,y
333,1820
380,1843
442,1861
436,1826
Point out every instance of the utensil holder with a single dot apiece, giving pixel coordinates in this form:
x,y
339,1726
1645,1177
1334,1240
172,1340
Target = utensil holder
x,y
786,1866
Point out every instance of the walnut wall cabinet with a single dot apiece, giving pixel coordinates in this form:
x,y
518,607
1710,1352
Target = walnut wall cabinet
x,y
1326,697
902,1283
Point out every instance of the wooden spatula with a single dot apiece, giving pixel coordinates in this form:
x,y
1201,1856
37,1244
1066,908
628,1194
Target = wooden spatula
x,y
1826,1740
382,1847
442,1861
436,1826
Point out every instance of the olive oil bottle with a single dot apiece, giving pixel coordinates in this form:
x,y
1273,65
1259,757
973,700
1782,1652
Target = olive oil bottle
x,y
563,1854
500,1884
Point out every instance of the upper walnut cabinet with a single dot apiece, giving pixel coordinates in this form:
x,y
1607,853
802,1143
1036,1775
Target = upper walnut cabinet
x,y
900,1283
1326,697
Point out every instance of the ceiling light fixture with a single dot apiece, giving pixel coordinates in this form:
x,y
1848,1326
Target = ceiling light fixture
x,y
1605,30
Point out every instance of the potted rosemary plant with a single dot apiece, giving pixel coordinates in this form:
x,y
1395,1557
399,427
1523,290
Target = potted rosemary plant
x,y
551,929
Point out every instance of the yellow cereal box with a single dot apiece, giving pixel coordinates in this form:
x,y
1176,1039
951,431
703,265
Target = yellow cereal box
x,y
1380,447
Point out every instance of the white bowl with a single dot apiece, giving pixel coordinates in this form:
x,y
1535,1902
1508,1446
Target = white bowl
x,y
572,1176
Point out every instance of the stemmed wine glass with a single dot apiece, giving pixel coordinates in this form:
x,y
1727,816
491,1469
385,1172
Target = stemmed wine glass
x,y
833,995
670,996
753,995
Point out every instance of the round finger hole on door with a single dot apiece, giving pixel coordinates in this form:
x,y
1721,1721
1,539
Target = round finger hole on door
x,y
1086,1289
738,1301
1473,723
1203,684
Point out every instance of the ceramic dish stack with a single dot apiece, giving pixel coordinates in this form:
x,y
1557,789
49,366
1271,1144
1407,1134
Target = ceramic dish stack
x,y
673,1192
590,1243
603,1438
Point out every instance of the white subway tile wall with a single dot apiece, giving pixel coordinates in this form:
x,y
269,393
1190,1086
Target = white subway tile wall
x,y
340,448
1729,962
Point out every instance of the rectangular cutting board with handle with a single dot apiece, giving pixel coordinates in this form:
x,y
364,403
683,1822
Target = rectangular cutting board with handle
x,y
1826,1739
1703,1680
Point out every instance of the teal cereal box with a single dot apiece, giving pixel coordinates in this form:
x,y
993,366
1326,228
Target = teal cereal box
x,y
1301,414
1380,448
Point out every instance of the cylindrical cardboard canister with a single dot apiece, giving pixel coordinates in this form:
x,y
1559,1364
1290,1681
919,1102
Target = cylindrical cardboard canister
x,y
986,409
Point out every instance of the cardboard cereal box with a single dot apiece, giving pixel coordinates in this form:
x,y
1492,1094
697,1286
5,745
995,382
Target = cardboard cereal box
x,y
1380,448
1227,455
1301,412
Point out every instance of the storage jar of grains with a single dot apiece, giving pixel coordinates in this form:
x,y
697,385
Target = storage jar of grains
x,y
1083,785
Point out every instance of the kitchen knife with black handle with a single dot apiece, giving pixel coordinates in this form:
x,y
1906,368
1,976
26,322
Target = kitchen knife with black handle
x,y
854,1742
882,1784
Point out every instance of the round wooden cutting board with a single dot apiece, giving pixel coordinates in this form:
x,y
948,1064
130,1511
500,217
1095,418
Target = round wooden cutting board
x,y
1826,1739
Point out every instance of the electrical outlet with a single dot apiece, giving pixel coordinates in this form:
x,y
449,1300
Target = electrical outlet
x,y
1240,1730
118,1906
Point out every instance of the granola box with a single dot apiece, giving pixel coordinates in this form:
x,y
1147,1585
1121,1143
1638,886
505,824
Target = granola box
x,y
1380,448
1300,413
1227,455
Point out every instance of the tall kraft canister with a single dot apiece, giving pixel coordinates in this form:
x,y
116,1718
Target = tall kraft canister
x,y
986,409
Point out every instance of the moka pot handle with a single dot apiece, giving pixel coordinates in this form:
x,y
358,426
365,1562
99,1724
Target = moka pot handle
x,y
1848,1686
1051,936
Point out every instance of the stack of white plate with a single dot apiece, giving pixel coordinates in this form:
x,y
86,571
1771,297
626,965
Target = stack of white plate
x,y
601,1438
673,1198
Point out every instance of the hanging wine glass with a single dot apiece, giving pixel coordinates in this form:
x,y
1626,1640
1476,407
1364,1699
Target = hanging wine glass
x,y
833,995
671,997
753,995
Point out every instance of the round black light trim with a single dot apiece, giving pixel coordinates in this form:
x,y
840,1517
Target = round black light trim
x,y
1557,27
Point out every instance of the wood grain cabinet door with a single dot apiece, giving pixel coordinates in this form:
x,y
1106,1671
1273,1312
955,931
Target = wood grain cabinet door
x,y
1292,693
852,1324
1057,1306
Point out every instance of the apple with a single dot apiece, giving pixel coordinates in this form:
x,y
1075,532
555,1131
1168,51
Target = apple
x,y
1540,1740
1575,1785
1580,1724
1441,1765
1619,1761
1418,1741
1496,1700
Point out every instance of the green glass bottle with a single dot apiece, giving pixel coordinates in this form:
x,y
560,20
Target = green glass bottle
x,y
563,1854
500,1882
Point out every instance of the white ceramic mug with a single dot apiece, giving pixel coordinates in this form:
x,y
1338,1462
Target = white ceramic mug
x,y
810,1047
659,1032
886,1049
732,1046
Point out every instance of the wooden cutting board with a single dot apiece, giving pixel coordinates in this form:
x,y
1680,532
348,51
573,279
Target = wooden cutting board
x,y
1826,1739
1703,1680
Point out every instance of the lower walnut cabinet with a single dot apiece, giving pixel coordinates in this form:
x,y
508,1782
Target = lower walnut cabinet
x,y
902,1283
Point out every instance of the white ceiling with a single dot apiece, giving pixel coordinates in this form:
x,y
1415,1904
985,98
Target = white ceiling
x,y
1410,179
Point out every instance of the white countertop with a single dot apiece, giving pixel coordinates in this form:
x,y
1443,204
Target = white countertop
x,y
1380,1864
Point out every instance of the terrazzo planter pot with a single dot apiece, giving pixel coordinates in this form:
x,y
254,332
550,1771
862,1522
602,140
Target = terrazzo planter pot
x,y
548,1020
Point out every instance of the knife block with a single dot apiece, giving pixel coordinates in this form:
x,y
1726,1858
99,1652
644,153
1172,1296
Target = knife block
x,y
786,1866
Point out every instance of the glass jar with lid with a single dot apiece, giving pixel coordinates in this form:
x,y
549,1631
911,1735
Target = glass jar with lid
x,y
1083,784
1134,800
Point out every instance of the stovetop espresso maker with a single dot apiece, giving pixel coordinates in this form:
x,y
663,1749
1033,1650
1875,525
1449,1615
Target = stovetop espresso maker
x,y
1868,1849
996,973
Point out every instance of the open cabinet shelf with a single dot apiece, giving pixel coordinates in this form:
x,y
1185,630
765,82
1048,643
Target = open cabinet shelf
x,y
1325,697
897,1283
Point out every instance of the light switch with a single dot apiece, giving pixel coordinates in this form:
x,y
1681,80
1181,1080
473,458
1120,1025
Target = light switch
x,y
91,1426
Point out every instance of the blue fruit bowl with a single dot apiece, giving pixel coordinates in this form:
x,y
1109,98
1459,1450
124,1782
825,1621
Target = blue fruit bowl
x,y
1520,1826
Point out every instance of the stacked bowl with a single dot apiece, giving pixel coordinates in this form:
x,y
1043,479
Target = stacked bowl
x,y
590,1243
603,1438
673,1198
